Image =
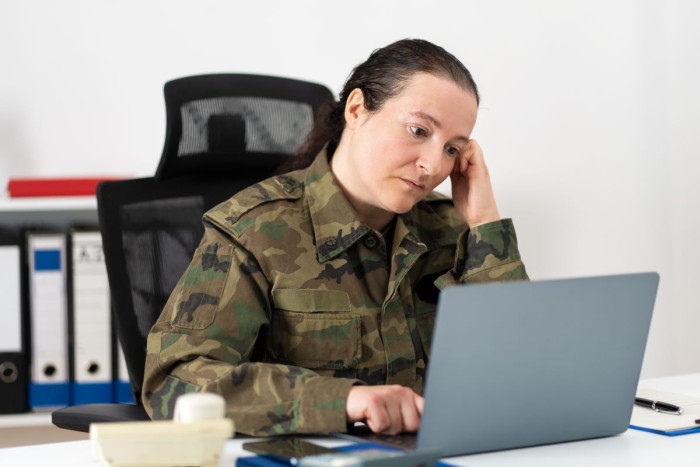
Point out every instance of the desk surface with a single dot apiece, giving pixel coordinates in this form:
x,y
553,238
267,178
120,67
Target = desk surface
x,y
632,448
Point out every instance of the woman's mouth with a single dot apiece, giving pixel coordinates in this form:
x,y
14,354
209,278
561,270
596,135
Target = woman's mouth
x,y
413,185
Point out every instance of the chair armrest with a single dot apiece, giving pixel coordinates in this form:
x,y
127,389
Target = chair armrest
x,y
79,417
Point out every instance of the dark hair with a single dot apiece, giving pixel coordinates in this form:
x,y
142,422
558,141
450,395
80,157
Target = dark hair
x,y
382,76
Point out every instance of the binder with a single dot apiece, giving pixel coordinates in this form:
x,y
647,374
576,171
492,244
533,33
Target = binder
x,y
410,458
13,359
55,186
49,384
90,320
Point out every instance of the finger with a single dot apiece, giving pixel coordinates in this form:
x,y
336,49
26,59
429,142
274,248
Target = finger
x,y
457,167
394,412
459,181
378,419
410,416
420,403
474,145
477,157
469,153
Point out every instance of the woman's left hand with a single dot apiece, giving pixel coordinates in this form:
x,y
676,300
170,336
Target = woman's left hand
x,y
471,187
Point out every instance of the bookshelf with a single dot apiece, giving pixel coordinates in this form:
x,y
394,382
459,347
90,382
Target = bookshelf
x,y
45,212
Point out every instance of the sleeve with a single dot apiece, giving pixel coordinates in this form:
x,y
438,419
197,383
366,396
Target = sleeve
x,y
211,326
486,253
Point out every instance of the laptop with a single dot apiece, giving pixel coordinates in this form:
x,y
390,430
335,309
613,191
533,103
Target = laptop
x,y
529,363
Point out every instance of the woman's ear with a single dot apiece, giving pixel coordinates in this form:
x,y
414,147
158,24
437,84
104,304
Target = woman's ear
x,y
354,109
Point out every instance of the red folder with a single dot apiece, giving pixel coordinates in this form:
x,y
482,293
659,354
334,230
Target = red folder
x,y
79,186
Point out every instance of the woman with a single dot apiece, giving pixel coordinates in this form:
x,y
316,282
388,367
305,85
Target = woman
x,y
311,300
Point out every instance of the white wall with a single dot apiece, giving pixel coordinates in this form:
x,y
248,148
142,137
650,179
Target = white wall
x,y
588,118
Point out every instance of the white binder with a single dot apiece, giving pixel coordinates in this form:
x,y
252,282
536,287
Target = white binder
x,y
10,311
49,385
92,349
13,370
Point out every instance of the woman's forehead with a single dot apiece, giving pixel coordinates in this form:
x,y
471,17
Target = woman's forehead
x,y
437,99
429,84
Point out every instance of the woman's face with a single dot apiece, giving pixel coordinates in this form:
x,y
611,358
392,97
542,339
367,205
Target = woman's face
x,y
390,159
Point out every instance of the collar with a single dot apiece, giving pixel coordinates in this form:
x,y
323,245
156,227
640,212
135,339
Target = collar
x,y
335,222
337,226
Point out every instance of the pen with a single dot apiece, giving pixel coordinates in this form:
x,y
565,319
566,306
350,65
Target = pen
x,y
663,407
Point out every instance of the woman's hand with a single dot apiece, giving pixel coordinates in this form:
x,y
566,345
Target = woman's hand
x,y
385,409
471,187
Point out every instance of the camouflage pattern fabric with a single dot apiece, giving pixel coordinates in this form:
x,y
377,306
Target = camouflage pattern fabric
x,y
290,301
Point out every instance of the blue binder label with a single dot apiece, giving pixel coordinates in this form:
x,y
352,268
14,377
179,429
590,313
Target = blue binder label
x,y
47,260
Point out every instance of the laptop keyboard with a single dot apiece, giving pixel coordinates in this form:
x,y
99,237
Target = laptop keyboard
x,y
405,441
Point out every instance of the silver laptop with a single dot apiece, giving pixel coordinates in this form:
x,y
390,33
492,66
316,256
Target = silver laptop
x,y
528,363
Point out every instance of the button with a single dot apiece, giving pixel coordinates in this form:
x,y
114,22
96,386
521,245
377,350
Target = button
x,y
370,241
331,241
287,184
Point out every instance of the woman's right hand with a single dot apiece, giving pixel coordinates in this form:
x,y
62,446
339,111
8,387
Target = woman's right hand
x,y
472,193
390,409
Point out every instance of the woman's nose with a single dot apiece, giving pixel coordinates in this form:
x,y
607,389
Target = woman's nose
x,y
430,160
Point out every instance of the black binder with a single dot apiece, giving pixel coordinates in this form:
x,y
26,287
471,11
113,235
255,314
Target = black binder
x,y
13,349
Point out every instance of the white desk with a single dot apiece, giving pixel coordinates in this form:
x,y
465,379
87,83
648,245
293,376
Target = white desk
x,y
632,448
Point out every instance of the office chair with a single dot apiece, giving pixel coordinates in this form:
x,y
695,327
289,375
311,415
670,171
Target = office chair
x,y
224,133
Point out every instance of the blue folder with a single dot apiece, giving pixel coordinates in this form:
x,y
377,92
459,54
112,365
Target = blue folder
x,y
262,461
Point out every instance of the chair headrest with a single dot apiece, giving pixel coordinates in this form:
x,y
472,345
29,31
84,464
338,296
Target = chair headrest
x,y
227,122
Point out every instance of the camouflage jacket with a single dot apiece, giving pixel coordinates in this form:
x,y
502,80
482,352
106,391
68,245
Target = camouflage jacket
x,y
289,301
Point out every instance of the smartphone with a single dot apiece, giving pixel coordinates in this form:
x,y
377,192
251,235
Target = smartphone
x,y
289,450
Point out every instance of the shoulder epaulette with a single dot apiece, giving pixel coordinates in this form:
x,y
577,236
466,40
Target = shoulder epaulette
x,y
227,214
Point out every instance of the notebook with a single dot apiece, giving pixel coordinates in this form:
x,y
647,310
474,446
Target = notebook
x,y
528,363
663,423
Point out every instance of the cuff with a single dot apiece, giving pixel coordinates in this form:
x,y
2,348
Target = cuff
x,y
323,403
486,253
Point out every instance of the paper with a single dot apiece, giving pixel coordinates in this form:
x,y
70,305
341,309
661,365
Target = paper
x,y
650,419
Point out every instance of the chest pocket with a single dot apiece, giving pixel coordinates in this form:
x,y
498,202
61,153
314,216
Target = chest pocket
x,y
314,329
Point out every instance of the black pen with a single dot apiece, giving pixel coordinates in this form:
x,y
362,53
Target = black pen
x,y
663,407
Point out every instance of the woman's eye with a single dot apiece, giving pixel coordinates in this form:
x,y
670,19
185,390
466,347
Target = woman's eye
x,y
452,151
418,131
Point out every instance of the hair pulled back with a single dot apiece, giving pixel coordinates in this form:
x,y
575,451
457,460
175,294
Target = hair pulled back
x,y
382,76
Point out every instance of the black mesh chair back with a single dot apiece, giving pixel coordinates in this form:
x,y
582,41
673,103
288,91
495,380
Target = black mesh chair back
x,y
232,122
224,133
150,230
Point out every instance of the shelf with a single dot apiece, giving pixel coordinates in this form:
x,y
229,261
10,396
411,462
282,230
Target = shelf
x,y
25,419
66,203
54,212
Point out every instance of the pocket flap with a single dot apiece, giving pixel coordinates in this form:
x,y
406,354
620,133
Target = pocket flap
x,y
311,300
316,341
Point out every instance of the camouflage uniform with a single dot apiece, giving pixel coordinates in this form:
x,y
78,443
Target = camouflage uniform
x,y
290,300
